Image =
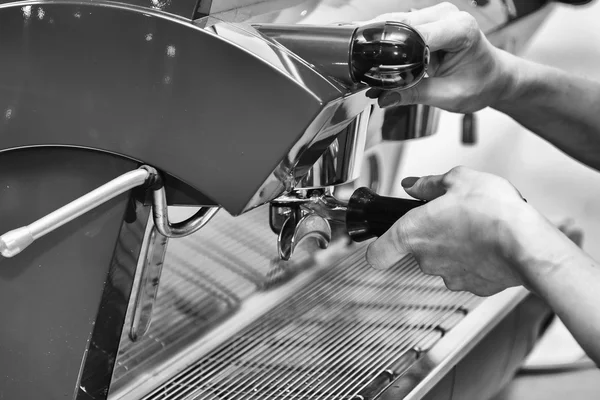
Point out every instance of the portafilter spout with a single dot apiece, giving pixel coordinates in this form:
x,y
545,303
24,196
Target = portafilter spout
x,y
365,215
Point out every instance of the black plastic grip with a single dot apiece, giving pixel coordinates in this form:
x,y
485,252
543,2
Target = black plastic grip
x,y
370,215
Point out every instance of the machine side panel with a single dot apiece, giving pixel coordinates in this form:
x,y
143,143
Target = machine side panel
x,y
51,293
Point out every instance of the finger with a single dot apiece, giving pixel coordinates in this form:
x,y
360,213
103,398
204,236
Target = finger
x,y
444,93
419,17
426,188
391,247
451,34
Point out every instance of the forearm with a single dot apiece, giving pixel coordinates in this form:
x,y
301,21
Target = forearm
x,y
557,106
569,280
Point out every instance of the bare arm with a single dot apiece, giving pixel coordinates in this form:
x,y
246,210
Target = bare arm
x,y
569,281
559,107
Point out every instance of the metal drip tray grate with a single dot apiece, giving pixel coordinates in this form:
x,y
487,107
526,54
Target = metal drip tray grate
x,y
205,278
331,340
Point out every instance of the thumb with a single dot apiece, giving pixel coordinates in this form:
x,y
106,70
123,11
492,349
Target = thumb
x,y
390,248
436,92
426,188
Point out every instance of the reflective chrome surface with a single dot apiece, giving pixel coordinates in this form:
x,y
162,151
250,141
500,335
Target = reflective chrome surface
x,y
341,161
150,265
327,47
160,85
409,122
389,55
298,227
170,229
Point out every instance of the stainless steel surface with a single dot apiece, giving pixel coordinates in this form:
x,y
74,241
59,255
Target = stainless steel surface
x,y
296,228
327,47
341,161
333,339
301,214
15,241
151,264
207,280
160,214
409,122
454,346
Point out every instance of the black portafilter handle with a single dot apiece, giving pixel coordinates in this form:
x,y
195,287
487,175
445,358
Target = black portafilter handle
x,y
370,215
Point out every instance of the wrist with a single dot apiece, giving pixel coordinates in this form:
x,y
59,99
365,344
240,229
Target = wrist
x,y
511,82
539,251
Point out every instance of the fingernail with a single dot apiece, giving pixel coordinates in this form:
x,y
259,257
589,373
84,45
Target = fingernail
x,y
390,99
374,93
409,182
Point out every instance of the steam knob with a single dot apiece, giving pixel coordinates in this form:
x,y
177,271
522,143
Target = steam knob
x,y
387,55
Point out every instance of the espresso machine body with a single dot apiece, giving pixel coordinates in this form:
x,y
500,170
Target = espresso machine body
x,y
216,105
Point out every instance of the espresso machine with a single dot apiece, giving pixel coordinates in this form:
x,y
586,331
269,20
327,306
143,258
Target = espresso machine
x,y
120,117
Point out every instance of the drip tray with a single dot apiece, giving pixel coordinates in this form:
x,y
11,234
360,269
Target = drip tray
x,y
331,340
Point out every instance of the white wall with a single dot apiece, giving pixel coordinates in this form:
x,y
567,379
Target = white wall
x,y
555,184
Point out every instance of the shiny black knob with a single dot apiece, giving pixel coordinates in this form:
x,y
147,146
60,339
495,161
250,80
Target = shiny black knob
x,y
388,55
370,215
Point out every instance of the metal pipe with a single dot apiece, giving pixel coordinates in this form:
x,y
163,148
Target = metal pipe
x,y
15,241
177,229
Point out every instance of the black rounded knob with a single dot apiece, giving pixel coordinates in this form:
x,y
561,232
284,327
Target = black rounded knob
x,y
388,55
370,215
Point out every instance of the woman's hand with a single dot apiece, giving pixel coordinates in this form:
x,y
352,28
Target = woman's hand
x,y
466,72
476,232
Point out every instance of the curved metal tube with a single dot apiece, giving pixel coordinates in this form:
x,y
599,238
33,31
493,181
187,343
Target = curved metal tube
x,y
177,229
